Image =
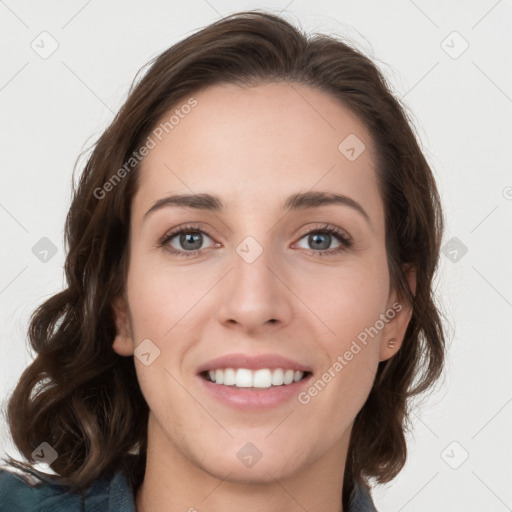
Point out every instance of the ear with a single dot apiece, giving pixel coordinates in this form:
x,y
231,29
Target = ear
x,y
394,331
123,342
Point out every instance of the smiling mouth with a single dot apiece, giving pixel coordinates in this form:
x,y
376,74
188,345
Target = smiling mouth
x,y
263,378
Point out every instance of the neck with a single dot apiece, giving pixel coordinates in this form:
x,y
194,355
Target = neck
x,y
174,482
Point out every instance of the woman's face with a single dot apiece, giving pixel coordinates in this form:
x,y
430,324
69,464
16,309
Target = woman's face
x,y
263,286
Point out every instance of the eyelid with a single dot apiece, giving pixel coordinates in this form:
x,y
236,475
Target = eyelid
x,y
171,233
319,226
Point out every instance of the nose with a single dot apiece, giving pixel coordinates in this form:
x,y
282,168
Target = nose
x,y
254,295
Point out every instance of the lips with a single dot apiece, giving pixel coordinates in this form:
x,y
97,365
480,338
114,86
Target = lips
x,y
253,383
258,362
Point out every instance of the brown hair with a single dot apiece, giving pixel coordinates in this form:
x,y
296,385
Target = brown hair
x,y
83,398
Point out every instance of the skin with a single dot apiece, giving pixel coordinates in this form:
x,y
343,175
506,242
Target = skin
x,y
254,147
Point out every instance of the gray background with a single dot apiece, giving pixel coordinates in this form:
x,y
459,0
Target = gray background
x,y
54,106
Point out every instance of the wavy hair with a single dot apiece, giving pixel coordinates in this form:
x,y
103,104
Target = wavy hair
x,y
83,398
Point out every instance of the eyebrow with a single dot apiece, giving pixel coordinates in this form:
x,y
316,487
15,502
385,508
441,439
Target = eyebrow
x,y
298,201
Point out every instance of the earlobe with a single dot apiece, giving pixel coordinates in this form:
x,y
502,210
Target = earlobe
x,y
123,346
123,342
389,348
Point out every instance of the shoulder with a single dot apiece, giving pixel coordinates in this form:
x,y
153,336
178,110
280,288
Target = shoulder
x,y
361,500
23,490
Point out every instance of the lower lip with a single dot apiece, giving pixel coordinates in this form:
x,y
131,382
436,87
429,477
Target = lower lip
x,y
255,398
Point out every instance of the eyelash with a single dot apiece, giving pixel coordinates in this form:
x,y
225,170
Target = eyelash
x,y
343,238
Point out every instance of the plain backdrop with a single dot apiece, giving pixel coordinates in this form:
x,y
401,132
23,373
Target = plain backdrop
x,y
449,61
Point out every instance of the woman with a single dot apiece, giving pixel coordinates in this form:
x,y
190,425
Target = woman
x,y
249,307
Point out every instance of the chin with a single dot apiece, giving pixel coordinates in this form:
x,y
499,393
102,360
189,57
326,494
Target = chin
x,y
248,465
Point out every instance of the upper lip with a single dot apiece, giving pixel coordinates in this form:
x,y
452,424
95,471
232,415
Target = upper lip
x,y
271,361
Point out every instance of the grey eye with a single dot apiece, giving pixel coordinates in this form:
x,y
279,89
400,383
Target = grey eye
x,y
188,240
319,241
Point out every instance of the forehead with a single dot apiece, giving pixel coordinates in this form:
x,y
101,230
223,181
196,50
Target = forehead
x,y
257,145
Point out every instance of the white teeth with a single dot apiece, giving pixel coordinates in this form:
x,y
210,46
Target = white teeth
x,y
263,378
288,376
278,377
243,378
229,377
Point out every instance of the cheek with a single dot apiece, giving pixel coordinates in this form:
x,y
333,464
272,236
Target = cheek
x,y
357,297
161,295
346,300
350,344
162,300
